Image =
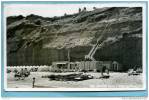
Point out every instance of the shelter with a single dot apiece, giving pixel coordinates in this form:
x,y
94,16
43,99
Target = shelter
x,y
60,66
66,66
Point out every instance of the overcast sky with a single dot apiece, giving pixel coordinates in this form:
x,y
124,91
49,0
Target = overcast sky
x,y
50,10
46,10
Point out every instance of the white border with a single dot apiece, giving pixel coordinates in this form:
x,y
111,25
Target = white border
x,y
88,89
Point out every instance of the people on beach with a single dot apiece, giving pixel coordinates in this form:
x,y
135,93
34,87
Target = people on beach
x,y
21,74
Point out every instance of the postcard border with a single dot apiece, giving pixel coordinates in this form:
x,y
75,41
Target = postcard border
x,y
68,93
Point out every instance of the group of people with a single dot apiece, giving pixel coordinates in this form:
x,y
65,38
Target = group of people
x,y
104,72
84,9
22,73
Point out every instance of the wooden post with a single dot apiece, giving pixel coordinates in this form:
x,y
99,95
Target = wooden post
x,y
68,59
68,56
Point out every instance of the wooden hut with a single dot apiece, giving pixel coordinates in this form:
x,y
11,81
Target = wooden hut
x,y
60,66
116,66
88,65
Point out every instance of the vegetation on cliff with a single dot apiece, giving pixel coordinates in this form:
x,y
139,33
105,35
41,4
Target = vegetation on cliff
x,y
35,40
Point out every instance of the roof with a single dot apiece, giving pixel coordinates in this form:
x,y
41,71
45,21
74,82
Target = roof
x,y
114,62
60,62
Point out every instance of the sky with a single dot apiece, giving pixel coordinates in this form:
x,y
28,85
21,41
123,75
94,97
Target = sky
x,y
46,10
51,10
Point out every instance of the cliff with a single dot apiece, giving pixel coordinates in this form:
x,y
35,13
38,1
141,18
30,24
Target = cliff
x,y
36,40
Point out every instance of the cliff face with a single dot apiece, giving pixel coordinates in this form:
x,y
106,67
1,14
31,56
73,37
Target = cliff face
x,y
34,40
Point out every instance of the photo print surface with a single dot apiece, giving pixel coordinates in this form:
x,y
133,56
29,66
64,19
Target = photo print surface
x,y
77,47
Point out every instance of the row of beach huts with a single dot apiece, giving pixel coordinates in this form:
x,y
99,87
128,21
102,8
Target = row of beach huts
x,y
66,66
86,66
